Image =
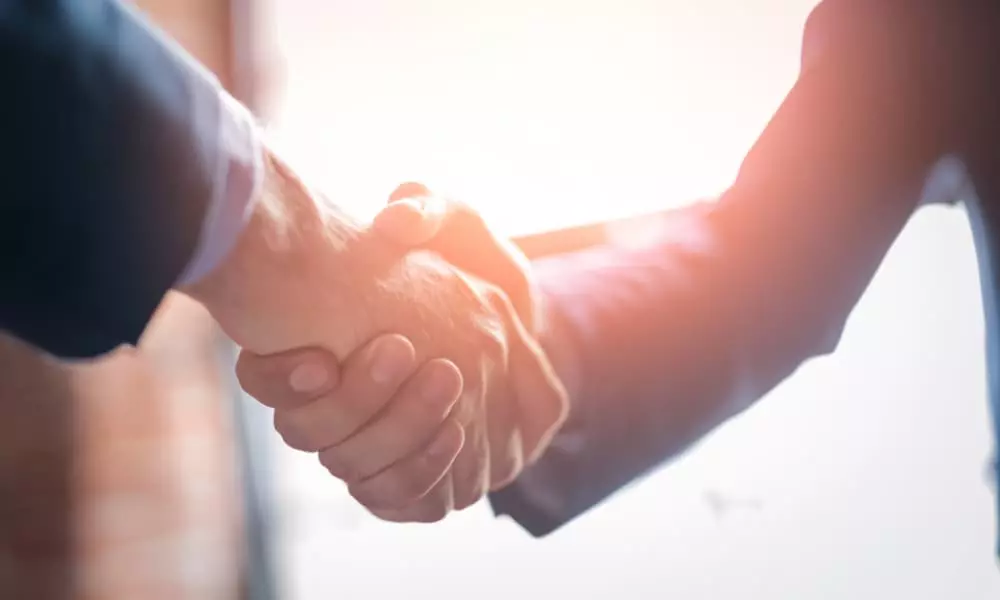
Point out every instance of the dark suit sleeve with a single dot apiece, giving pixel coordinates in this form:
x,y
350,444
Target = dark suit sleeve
x,y
675,337
108,146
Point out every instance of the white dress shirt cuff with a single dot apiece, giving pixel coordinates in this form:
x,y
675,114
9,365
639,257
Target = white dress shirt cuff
x,y
238,178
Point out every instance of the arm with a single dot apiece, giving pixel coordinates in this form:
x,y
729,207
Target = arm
x,y
136,173
112,149
115,139
658,345
757,283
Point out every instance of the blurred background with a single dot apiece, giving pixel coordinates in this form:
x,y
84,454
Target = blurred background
x,y
863,476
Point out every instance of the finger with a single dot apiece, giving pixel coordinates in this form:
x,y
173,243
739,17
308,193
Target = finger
x,y
468,243
411,222
368,381
407,423
471,471
462,237
409,480
410,189
504,438
417,217
502,429
501,414
288,379
542,402
539,398
431,508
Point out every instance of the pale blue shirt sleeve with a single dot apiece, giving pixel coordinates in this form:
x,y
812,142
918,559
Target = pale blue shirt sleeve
x,y
238,178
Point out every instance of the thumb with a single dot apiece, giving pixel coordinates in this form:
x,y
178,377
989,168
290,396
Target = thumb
x,y
410,189
411,220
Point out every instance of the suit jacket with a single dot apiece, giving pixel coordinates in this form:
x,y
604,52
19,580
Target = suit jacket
x,y
675,337
110,150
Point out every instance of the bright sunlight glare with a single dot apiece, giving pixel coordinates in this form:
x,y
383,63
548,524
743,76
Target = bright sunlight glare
x,y
860,477
540,113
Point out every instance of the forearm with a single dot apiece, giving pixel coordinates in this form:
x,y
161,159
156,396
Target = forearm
x,y
112,141
136,174
264,291
672,339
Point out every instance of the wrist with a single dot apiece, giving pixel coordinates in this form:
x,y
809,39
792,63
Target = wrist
x,y
281,218
261,289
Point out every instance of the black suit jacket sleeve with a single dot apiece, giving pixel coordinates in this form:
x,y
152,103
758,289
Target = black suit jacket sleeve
x,y
108,147
677,336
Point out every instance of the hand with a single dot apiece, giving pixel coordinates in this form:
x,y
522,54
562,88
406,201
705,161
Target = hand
x,y
416,218
383,425
390,423
300,278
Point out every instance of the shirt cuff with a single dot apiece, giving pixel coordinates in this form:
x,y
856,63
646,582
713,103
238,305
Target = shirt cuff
x,y
239,175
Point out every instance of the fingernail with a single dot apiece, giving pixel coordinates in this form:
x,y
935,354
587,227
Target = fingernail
x,y
409,190
439,382
392,361
308,377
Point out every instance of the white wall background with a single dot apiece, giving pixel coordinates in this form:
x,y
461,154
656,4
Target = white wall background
x,y
861,477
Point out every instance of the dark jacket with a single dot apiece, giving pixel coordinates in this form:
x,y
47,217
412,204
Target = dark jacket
x,y
675,337
108,146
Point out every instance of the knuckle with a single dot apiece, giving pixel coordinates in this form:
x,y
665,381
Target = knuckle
x,y
248,377
336,465
242,370
367,497
291,432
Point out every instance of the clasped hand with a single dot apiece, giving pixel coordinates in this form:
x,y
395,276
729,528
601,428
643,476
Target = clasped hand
x,y
414,435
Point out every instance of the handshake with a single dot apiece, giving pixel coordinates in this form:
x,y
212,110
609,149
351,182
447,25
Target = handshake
x,y
406,354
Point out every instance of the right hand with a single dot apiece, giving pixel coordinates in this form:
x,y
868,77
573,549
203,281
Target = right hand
x,y
390,436
308,280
